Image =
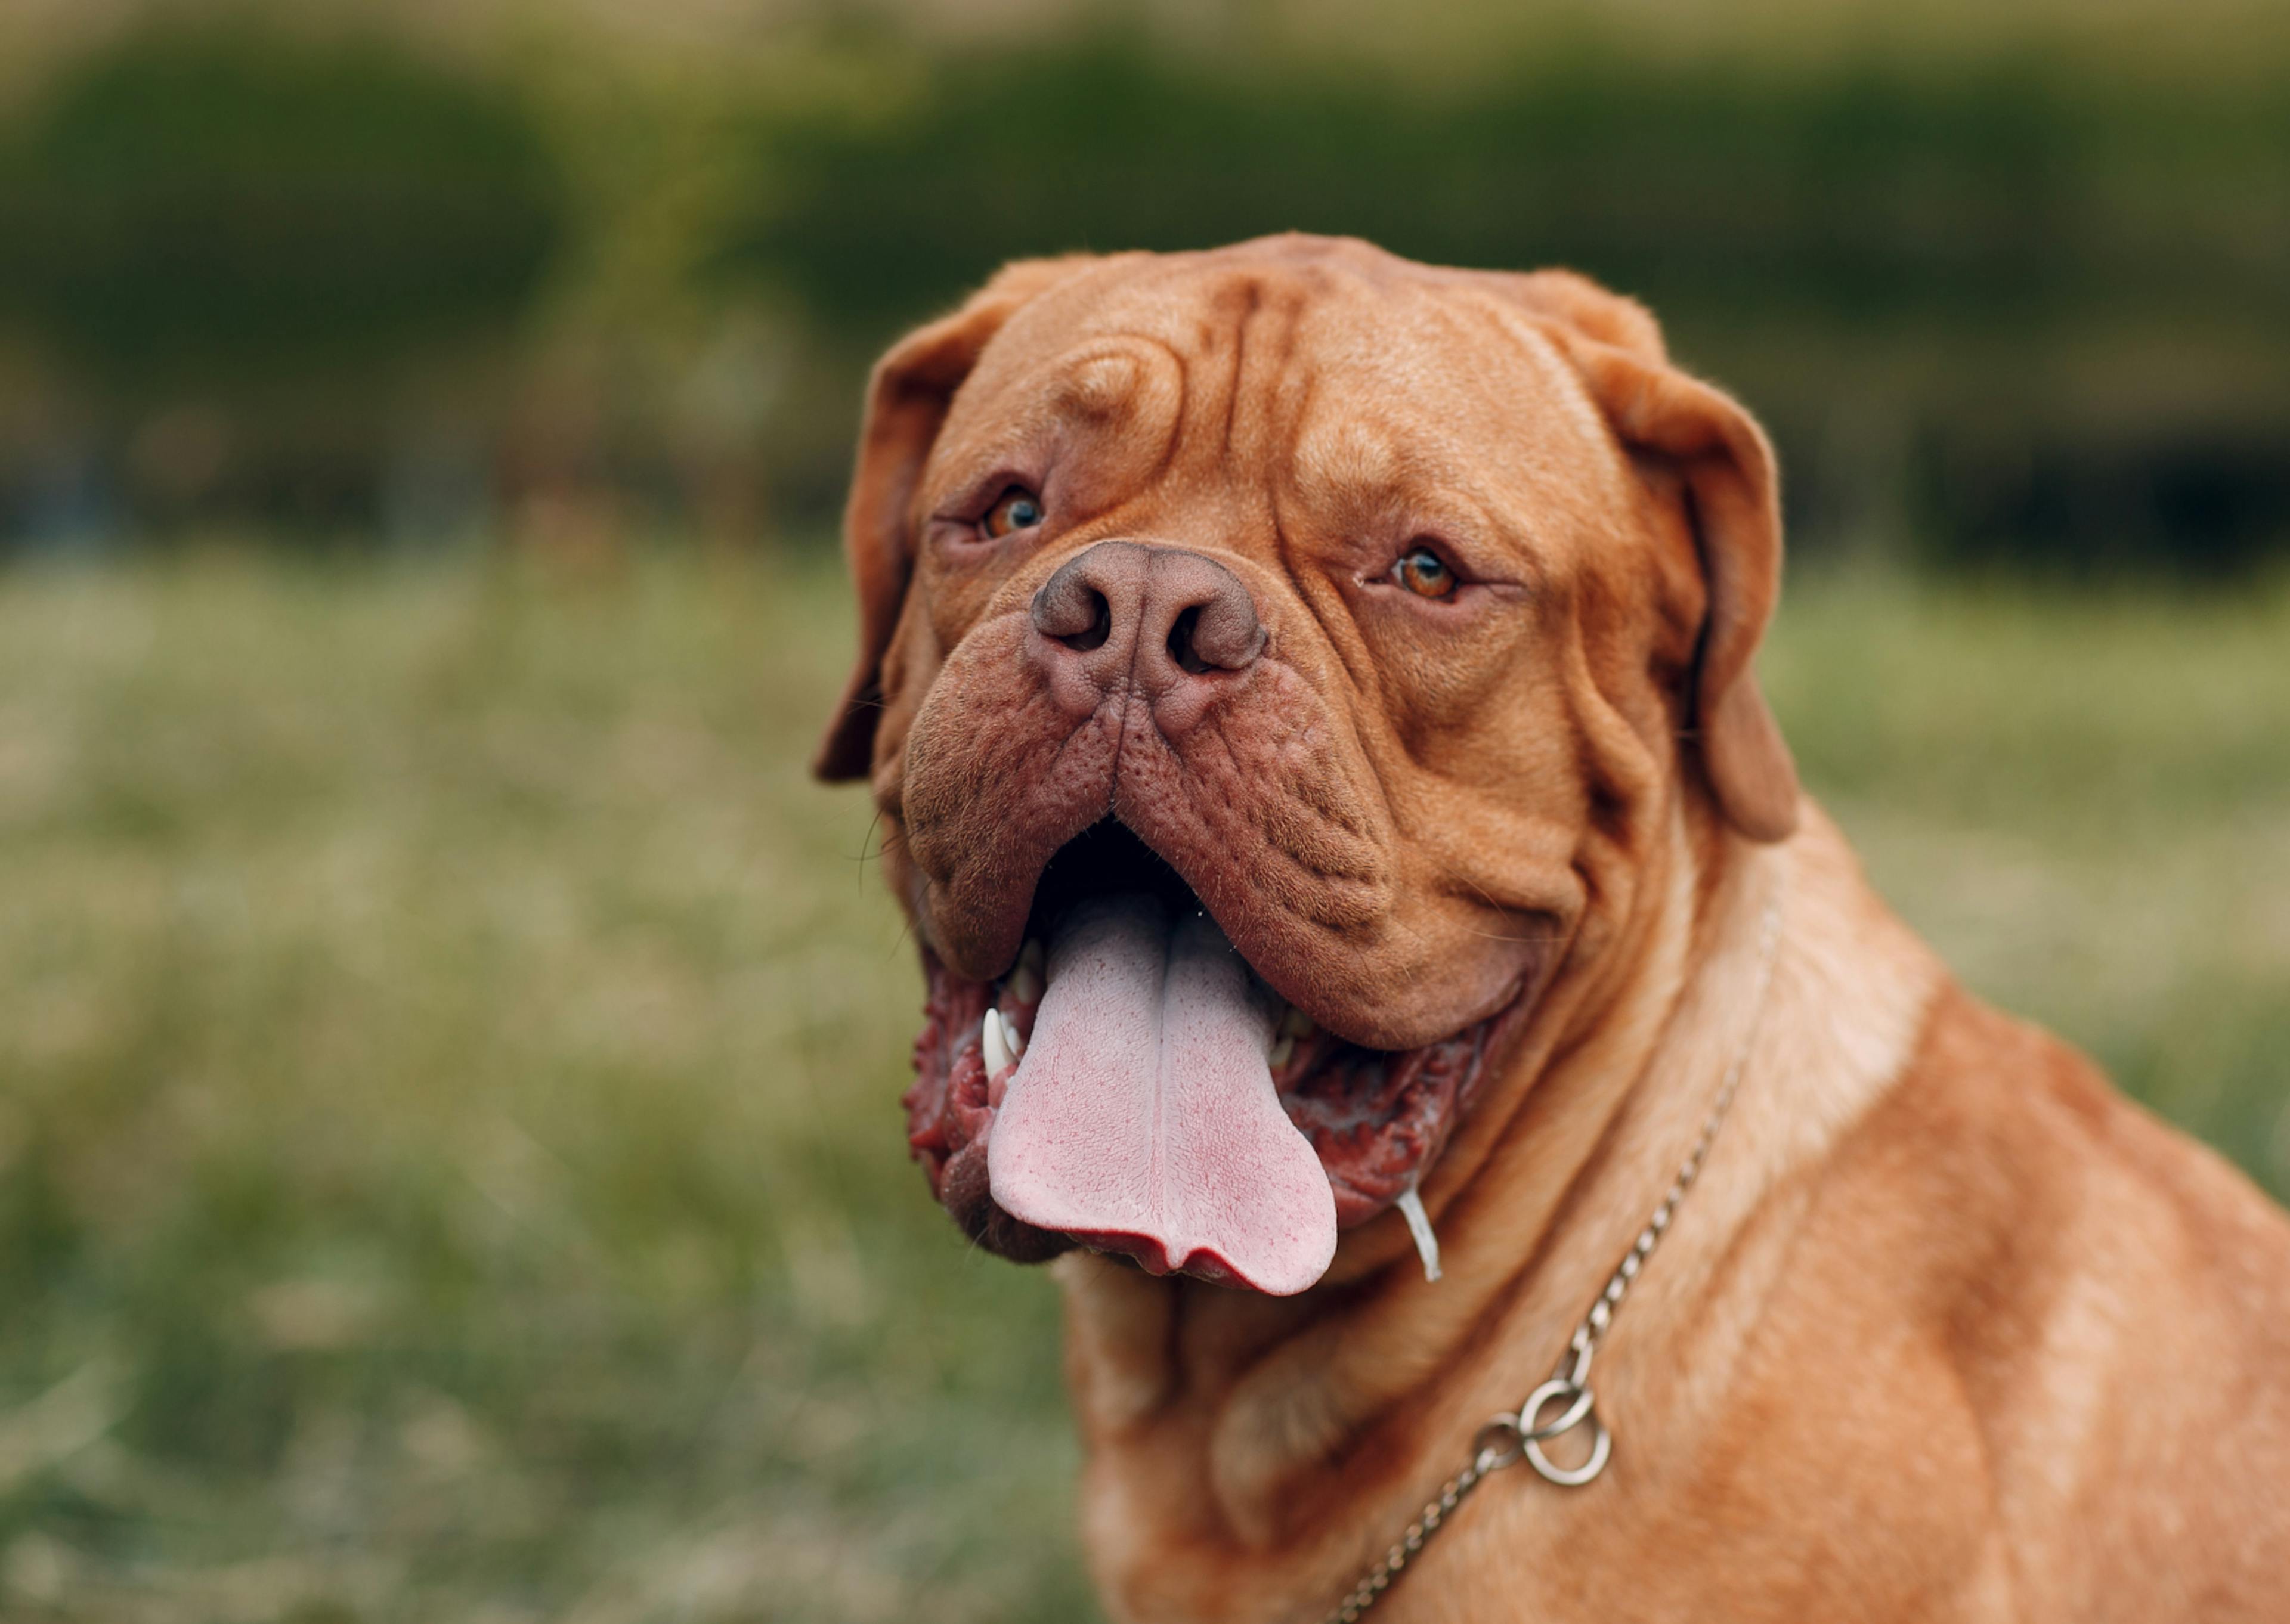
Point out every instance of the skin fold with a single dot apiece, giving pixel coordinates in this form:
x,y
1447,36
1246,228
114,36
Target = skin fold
x,y
1947,1328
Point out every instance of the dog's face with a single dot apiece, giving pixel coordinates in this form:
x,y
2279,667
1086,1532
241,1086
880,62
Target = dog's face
x,y
1280,665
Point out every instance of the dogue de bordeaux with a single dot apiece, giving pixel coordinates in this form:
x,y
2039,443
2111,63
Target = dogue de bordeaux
x,y
1310,698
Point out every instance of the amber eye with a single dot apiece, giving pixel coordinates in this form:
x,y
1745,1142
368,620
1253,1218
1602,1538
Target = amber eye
x,y
1018,509
1424,573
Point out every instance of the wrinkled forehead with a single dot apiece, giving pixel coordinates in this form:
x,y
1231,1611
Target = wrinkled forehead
x,y
1363,376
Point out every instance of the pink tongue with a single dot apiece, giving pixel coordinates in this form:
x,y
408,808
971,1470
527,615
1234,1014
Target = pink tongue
x,y
1143,1119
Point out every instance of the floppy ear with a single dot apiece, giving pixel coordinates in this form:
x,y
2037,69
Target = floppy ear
x,y
1734,505
907,400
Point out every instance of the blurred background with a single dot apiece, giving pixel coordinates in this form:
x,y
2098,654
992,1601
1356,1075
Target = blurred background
x,y
450,1162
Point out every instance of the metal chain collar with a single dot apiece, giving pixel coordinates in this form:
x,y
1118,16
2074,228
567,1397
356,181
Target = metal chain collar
x,y
1512,1438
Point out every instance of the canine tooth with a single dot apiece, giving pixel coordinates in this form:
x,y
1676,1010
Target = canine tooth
x,y
992,1045
1014,1038
1297,1024
1419,1224
1025,982
1284,1050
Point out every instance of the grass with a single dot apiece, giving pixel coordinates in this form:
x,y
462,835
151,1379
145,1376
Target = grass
x,y
450,1165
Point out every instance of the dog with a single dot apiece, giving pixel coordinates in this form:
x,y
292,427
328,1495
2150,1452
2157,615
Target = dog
x,y
1310,699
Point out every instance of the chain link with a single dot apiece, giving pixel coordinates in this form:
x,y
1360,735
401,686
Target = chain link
x,y
1525,1431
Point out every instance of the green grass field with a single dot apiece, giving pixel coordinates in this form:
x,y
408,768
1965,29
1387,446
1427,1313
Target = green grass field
x,y
450,1162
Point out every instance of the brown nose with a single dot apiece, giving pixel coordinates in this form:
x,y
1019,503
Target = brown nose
x,y
1159,616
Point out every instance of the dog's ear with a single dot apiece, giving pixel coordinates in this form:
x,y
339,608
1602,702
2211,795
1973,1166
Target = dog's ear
x,y
1725,467
908,397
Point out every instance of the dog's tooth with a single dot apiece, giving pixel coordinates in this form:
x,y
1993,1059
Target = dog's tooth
x,y
1025,982
993,1046
1297,1024
1284,1050
1014,1038
1419,1224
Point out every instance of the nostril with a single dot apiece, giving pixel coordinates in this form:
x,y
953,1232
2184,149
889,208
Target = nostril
x,y
1091,597
1099,627
1181,642
1219,630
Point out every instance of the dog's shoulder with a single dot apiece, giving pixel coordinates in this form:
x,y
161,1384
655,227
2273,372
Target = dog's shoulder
x,y
2010,1149
2109,1299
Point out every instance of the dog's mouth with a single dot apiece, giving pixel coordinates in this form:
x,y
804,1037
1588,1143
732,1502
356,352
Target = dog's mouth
x,y
1132,1085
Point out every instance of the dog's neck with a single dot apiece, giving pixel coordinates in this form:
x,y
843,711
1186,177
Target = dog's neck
x,y
1238,1414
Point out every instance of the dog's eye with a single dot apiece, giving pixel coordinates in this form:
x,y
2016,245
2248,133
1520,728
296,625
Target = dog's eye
x,y
1425,573
1016,509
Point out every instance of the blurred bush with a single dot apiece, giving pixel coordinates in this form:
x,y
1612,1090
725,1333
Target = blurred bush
x,y
238,249
212,207
1998,307
1991,199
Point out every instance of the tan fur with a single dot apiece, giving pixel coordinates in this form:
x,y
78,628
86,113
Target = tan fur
x,y
1947,1329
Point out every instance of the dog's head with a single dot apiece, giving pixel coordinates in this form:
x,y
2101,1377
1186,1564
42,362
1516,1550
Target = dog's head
x,y
1279,665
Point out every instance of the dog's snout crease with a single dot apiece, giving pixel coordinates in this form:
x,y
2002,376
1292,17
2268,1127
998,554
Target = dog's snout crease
x,y
1163,618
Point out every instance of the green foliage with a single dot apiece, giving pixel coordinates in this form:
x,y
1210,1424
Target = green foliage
x,y
1855,194
208,204
450,1162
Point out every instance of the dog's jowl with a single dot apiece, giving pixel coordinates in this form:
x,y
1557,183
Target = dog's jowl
x,y
1311,700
